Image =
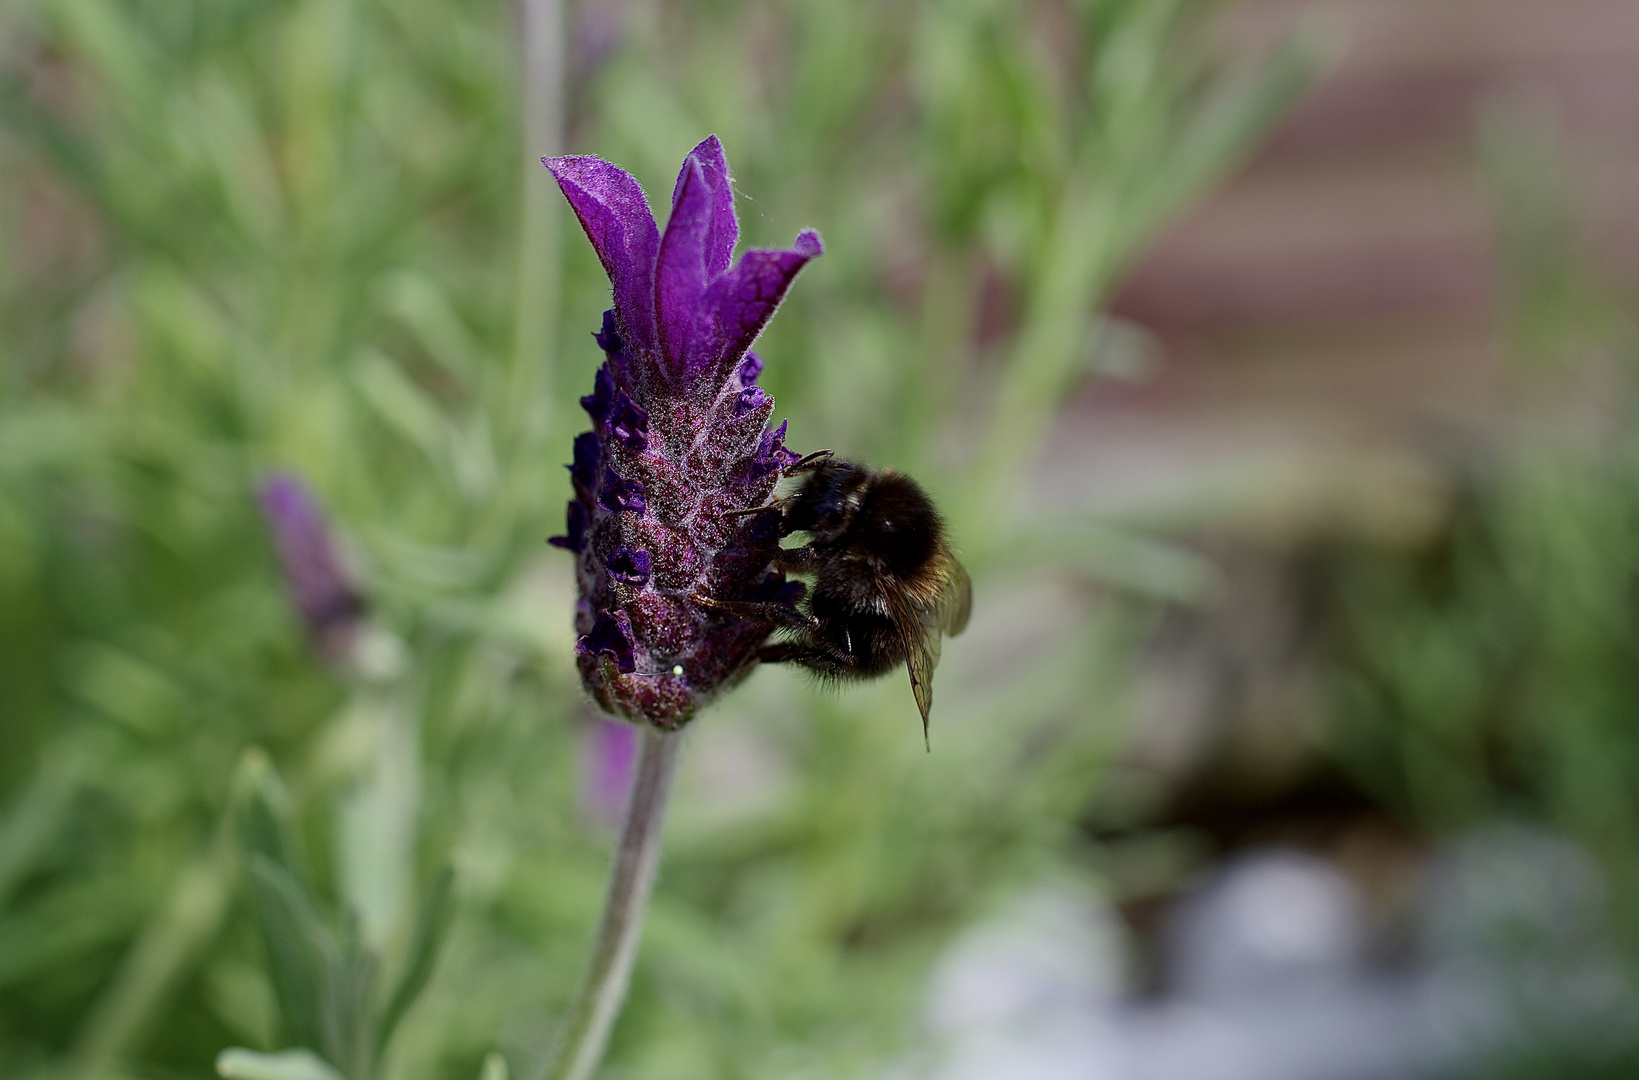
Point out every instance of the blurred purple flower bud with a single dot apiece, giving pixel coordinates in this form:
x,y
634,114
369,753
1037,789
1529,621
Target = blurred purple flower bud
x,y
683,440
609,753
330,606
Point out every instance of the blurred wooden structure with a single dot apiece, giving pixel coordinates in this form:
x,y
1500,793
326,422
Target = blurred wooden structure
x,y
1333,306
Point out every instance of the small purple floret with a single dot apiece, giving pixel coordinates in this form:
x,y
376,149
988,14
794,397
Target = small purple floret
x,y
629,422
602,398
621,496
575,540
609,640
587,456
681,439
630,567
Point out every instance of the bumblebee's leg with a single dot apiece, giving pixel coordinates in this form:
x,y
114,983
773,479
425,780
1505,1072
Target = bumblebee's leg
x,y
782,615
763,509
811,655
800,560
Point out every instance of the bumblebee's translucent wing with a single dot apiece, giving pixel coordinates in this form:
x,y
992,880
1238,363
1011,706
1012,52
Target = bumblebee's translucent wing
x,y
923,628
957,602
922,640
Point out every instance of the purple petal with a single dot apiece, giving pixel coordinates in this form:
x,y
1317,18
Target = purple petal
x,y
750,368
723,229
743,300
680,276
772,456
751,398
616,217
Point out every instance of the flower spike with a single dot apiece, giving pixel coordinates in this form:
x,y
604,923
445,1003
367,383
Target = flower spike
x,y
680,448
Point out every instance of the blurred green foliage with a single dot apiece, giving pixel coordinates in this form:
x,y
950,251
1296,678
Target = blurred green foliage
x,y
1492,673
247,234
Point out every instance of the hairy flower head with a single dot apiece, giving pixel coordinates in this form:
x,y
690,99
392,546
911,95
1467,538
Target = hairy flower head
x,y
680,440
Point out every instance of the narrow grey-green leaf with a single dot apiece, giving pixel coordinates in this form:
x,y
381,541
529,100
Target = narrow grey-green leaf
x,y
237,1063
432,925
301,952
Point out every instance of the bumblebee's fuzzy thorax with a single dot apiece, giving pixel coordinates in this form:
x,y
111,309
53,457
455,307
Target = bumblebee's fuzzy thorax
x,y
898,529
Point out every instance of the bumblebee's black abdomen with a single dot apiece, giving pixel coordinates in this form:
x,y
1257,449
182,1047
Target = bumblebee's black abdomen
x,y
870,641
898,525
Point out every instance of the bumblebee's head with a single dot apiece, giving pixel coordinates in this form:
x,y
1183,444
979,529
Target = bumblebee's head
x,y
826,503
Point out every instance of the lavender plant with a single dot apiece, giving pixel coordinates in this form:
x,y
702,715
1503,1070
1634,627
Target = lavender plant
x,y
680,448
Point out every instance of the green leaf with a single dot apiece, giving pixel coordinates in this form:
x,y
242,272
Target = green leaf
x,y
302,953
237,1063
267,827
432,926
494,1068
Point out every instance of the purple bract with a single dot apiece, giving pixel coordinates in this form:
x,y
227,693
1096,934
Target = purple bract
x,y
680,439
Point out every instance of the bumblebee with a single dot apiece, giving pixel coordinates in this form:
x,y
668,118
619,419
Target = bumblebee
x,y
886,586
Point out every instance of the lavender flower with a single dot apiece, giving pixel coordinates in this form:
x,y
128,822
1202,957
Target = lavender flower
x,y
680,439
330,606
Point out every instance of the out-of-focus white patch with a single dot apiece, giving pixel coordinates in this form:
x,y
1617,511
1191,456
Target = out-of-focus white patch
x,y
1265,978
1277,920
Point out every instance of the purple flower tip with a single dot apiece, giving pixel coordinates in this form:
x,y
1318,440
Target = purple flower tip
x,y
680,430
324,594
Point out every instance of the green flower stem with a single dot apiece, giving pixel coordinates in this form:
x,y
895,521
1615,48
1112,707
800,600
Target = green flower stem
x,y
637,858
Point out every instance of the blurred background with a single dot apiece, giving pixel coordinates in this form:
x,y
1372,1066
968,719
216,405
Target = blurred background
x,y
1271,361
